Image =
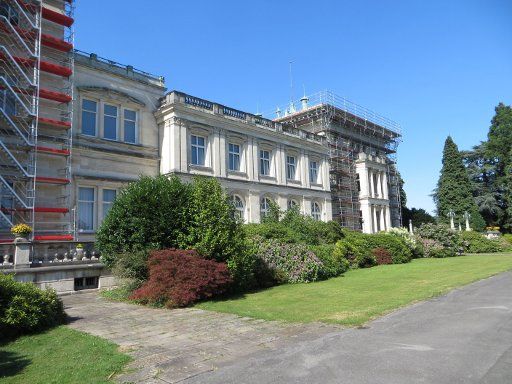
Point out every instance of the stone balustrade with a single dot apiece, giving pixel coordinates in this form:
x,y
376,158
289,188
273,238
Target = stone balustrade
x,y
49,253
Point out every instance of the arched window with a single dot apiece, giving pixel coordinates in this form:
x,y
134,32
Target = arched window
x,y
292,204
238,203
315,211
264,206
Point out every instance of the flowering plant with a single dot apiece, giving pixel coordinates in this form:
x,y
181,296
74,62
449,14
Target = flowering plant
x,y
79,246
21,230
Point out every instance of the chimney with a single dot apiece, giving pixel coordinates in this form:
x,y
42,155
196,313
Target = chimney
x,y
304,102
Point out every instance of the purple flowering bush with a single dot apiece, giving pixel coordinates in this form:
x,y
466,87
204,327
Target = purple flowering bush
x,y
286,263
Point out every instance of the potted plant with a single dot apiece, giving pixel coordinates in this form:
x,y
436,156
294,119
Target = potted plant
x,y
21,232
79,251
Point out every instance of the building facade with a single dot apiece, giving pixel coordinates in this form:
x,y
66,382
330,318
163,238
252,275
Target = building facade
x,y
76,128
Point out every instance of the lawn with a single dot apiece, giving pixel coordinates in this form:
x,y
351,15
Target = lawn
x,y
363,294
62,356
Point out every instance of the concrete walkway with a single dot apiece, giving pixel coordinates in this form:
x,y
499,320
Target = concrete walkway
x,y
463,337
171,346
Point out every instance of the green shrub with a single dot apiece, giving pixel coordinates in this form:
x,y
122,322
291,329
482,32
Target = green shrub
x,y
475,242
442,234
440,253
410,240
150,213
24,308
333,264
164,213
395,245
355,248
287,263
293,227
508,238
213,230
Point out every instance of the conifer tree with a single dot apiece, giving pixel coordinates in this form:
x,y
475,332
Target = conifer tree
x,y
454,189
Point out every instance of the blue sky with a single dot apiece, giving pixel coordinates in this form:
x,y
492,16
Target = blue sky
x,y
436,67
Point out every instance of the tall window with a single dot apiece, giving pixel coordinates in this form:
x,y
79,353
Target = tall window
x,y
89,112
315,211
234,157
109,195
239,208
290,167
7,205
85,209
110,122
313,172
264,207
197,149
292,204
130,126
265,163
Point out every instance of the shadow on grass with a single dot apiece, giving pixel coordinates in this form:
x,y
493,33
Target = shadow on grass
x,y
12,363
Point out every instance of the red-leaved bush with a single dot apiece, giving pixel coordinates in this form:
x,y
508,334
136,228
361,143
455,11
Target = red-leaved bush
x,y
382,256
178,278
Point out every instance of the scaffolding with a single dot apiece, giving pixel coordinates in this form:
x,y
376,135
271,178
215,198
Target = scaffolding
x,y
36,93
349,129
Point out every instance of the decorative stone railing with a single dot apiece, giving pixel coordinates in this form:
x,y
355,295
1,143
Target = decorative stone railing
x,y
231,113
46,254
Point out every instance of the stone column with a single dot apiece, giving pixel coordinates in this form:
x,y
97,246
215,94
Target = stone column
x,y
383,218
374,218
223,158
372,187
21,253
385,186
379,189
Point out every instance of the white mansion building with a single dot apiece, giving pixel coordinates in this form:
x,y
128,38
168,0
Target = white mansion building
x,y
114,123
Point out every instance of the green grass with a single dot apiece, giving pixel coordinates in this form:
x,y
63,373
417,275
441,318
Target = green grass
x,y
363,294
61,356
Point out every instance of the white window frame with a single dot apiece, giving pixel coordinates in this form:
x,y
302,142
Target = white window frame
x,y
239,205
265,202
232,155
197,147
96,113
93,202
105,115
313,180
265,170
316,211
135,122
106,203
291,167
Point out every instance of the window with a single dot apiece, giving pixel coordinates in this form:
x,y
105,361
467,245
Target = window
x,y
265,163
85,209
89,111
130,126
109,195
313,172
358,182
198,150
264,207
292,204
110,122
234,157
290,167
239,208
7,206
315,211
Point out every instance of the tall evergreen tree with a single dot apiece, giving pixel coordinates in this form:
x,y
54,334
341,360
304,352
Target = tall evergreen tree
x,y
454,189
490,166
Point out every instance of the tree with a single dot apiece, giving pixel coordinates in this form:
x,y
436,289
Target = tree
x,y
454,190
418,216
489,165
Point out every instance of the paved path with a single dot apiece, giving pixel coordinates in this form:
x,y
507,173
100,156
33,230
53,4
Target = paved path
x,y
171,346
464,337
